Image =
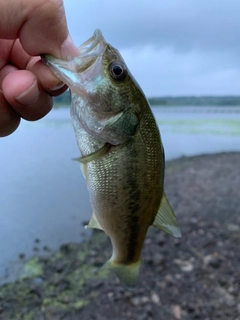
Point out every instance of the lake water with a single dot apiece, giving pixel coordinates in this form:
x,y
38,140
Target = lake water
x,y
43,196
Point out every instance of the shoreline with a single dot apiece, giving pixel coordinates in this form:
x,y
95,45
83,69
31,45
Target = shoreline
x,y
181,278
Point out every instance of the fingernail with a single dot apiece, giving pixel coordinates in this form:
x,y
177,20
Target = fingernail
x,y
29,96
68,49
59,86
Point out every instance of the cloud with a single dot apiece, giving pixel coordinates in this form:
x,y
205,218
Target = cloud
x,y
171,46
165,72
179,24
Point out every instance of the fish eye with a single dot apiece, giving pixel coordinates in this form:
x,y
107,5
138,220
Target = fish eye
x,y
118,70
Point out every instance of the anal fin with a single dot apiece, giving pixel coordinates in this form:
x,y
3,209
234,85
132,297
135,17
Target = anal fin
x,y
166,220
93,223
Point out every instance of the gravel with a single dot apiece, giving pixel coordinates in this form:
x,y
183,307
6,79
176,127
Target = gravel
x,y
195,277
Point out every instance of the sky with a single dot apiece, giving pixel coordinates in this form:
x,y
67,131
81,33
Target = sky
x,y
172,47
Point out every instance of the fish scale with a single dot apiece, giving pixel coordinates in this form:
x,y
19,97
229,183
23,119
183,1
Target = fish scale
x,y
122,156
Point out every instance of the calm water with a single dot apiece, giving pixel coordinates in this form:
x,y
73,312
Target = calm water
x,y
42,192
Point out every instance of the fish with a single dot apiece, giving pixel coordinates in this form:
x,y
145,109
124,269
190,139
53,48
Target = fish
x,y
122,155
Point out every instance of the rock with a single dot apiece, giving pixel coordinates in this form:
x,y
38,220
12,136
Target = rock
x,y
233,227
155,298
160,239
212,260
110,295
185,266
144,299
169,278
158,259
238,308
225,297
176,310
21,256
136,301
165,291
46,248
37,281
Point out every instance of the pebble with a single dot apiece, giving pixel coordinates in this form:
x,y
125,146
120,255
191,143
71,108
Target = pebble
x,y
233,227
46,248
176,310
238,308
160,239
169,278
110,295
37,281
158,258
155,298
21,256
206,293
185,266
136,301
212,260
225,297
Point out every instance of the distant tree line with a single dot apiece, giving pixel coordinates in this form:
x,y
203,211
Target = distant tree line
x,y
196,101
64,100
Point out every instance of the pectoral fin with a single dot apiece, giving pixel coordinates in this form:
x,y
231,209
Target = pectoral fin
x,y
165,219
93,223
94,155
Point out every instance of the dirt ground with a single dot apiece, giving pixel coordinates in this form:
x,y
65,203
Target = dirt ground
x,y
195,277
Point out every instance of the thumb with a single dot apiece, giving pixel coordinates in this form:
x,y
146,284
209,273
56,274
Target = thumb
x,y
40,25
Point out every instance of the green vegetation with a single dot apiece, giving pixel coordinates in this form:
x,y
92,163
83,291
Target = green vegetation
x,y
47,287
224,127
64,100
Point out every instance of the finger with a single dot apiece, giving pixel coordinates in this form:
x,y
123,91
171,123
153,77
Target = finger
x,y
9,119
40,25
5,49
25,95
22,60
48,80
5,71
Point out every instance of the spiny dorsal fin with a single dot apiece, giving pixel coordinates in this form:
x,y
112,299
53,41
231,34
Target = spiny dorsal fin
x,y
165,219
93,223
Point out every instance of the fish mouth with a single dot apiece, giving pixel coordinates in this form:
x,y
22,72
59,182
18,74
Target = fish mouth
x,y
73,71
94,45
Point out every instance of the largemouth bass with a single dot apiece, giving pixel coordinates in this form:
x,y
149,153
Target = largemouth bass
x,y
122,156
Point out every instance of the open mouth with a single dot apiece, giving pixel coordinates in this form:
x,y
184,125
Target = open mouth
x,y
70,71
94,45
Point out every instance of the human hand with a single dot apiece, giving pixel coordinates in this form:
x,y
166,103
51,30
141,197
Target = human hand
x,y
27,29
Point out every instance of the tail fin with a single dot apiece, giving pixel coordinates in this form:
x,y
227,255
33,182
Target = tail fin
x,y
127,274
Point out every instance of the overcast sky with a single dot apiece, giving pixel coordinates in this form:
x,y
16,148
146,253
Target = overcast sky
x,y
172,47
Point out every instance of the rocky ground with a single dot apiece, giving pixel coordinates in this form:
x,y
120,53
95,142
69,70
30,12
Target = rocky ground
x,y
195,277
